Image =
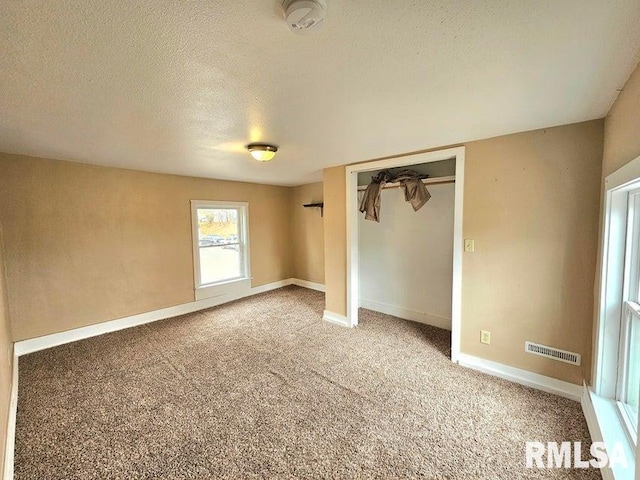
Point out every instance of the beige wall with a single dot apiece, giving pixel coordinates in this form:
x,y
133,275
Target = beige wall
x,y
621,145
531,204
335,240
622,127
6,358
87,244
307,233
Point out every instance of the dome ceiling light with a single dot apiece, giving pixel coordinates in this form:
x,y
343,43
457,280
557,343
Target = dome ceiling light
x,y
263,152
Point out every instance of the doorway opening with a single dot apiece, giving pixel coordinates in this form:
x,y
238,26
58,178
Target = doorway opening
x,y
455,156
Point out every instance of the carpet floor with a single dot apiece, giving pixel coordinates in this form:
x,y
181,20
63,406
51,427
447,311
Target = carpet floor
x,y
262,388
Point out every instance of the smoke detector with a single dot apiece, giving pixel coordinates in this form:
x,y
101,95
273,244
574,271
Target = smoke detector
x,y
304,16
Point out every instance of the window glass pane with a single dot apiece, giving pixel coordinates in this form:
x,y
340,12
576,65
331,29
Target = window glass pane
x,y
219,263
634,261
217,226
218,241
632,386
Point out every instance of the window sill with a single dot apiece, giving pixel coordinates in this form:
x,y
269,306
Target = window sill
x,y
611,431
238,286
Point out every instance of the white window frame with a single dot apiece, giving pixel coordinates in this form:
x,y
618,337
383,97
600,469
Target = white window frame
x,y
630,308
230,286
615,310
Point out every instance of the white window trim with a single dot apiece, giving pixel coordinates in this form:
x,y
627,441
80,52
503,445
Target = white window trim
x,y
234,286
613,283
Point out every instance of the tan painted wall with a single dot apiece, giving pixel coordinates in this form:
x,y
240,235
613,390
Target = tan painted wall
x,y
621,145
335,240
307,232
622,127
531,204
6,358
87,244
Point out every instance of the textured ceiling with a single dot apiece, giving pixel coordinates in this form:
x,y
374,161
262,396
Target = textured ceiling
x,y
181,86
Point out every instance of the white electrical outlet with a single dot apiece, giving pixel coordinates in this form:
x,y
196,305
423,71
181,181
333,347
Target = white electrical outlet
x,y
485,337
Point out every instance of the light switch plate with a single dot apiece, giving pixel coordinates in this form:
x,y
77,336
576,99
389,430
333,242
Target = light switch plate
x,y
469,245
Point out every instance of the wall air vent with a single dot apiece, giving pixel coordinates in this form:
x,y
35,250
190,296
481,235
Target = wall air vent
x,y
553,353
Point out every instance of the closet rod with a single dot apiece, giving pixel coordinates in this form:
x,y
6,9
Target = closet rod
x,y
426,181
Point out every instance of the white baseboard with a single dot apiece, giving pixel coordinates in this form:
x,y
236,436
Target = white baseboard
x,y
335,318
523,377
307,284
11,422
47,341
407,314
268,287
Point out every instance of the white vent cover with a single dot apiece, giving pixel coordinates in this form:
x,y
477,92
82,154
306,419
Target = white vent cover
x,y
553,353
304,16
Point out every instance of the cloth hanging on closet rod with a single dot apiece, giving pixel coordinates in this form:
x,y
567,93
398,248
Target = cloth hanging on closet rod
x,y
414,190
370,203
410,181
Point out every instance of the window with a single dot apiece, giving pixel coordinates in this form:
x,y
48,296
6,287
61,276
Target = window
x,y
613,398
628,380
220,242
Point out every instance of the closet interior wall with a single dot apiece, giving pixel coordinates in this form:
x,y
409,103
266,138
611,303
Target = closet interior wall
x,y
406,260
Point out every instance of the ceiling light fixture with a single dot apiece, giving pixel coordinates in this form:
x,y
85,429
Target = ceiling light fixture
x,y
263,152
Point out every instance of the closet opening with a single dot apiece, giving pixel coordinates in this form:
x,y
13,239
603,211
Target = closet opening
x,y
402,261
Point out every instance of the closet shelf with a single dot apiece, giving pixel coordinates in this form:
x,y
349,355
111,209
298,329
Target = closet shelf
x,y
315,205
426,181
